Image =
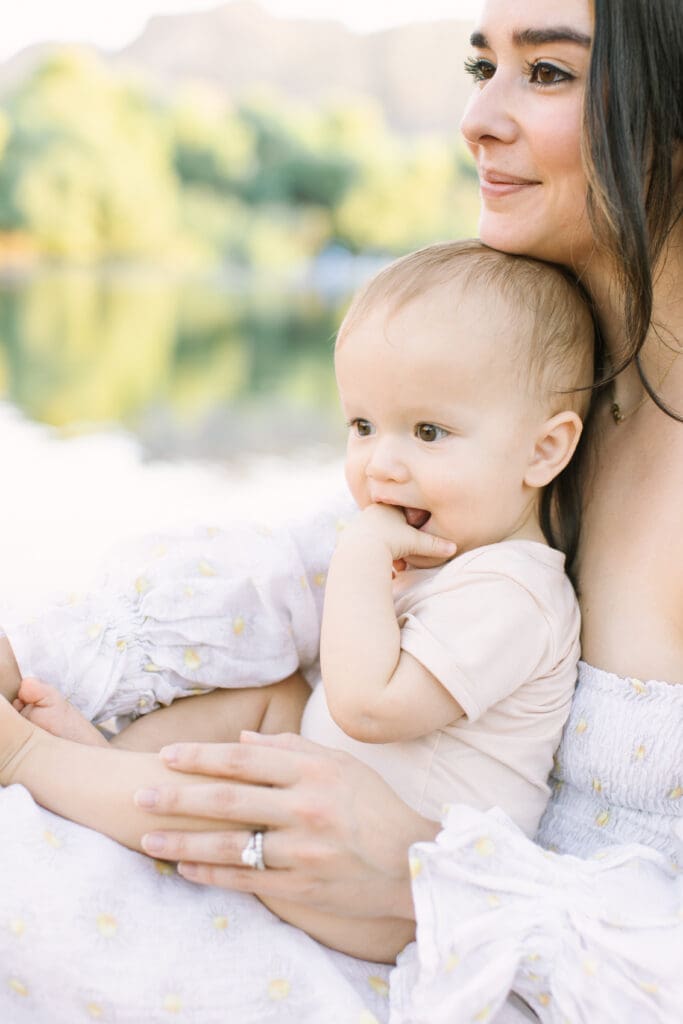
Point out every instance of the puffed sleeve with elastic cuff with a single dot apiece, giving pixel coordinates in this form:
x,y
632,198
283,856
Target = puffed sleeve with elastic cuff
x,y
186,613
579,940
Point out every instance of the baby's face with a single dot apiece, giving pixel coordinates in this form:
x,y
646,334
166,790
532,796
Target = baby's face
x,y
439,421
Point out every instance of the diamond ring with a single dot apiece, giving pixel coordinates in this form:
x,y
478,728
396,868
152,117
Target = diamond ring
x,y
252,854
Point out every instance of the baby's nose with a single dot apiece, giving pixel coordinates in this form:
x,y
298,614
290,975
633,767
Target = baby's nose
x,y
387,463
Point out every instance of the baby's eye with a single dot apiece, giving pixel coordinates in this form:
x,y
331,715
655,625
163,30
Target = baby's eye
x,y
429,432
362,428
480,70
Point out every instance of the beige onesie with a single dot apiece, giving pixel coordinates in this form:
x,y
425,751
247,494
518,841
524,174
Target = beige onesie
x,y
499,628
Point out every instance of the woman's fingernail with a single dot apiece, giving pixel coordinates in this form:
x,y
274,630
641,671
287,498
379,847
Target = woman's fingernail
x,y
153,843
169,754
146,798
188,871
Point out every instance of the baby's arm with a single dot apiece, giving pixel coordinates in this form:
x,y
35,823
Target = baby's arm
x,y
376,692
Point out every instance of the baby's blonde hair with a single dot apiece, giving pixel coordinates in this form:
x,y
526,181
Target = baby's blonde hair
x,y
552,331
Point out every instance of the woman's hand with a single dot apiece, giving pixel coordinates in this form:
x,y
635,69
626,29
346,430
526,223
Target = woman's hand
x,y
336,835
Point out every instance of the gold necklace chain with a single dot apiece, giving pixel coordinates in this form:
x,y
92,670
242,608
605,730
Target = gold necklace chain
x,y
618,416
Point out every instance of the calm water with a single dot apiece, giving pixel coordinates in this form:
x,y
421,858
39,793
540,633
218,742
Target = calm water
x,y
192,368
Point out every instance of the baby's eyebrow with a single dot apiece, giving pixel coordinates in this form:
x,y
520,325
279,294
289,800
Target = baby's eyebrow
x,y
536,37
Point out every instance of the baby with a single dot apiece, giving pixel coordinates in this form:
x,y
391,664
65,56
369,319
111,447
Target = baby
x,y
450,631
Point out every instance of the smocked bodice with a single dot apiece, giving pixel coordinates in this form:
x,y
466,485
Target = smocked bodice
x,y
618,774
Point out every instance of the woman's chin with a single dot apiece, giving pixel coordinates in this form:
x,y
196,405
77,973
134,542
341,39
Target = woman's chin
x,y
508,234
521,236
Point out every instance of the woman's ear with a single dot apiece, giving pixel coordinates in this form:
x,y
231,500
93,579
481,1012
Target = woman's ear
x,y
554,447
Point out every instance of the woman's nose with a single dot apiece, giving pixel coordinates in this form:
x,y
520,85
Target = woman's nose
x,y
489,114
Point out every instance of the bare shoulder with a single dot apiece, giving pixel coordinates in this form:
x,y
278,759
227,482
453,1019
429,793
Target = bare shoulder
x,y
631,556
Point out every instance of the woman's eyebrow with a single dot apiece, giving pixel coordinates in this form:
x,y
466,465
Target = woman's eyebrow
x,y
536,37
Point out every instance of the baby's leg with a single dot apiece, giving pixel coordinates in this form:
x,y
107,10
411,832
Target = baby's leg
x,y
10,676
220,716
216,717
93,786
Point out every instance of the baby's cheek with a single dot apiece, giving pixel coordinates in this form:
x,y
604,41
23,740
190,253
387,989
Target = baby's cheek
x,y
355,481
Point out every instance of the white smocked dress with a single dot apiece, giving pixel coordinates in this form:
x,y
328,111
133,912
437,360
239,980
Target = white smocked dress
x,y
587,927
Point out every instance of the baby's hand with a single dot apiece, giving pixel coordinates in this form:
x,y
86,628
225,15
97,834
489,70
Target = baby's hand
x,y
386,525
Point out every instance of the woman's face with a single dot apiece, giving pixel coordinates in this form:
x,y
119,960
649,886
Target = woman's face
x,y
523,126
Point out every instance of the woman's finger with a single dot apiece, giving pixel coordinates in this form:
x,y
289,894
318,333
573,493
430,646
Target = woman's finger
x,y
291,741
239,761
219,801
217,848
207,847
266,884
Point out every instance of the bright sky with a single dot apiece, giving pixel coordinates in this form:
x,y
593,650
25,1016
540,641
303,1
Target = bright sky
x,y
112,24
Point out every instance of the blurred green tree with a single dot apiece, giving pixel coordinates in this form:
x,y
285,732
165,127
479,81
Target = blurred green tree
x,y
86,169
94,167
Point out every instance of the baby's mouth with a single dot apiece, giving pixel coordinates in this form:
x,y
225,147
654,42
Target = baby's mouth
x,y
416,517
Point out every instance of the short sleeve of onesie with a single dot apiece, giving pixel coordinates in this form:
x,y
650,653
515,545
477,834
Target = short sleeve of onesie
x,y
482,637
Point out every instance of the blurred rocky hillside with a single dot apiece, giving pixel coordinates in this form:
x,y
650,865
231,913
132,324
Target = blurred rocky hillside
x,y
414,72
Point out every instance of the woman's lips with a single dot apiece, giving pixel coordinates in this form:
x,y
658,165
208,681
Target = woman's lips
x,y
416,517
494,184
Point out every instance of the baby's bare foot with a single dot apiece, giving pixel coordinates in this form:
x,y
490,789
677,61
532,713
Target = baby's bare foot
x,y
43,705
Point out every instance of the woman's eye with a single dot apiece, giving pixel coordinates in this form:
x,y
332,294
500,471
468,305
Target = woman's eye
x,y
543,73
429,432
480,70
363,428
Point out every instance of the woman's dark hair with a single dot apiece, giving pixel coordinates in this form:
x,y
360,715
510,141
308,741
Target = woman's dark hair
x,y
633,122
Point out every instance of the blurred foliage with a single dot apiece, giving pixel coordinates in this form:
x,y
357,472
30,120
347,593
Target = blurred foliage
x,y
94,167
133,227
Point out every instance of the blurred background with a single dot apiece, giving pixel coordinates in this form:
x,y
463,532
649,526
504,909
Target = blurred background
x,y
189,194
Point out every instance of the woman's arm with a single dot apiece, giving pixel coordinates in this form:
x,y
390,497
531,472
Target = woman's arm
x,y
318,858
600,938
376,692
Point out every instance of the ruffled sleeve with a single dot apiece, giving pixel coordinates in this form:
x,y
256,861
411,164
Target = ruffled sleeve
x,y
185,613
580,941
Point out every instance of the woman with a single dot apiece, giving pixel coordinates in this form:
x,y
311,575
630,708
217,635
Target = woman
x,y
576,124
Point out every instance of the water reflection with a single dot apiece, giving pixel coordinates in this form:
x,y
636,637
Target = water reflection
x,y
192,367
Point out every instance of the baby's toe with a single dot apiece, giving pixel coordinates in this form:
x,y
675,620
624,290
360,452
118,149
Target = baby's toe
x,y
35,691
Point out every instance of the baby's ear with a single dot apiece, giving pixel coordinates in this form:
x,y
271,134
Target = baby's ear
x,y
554,447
